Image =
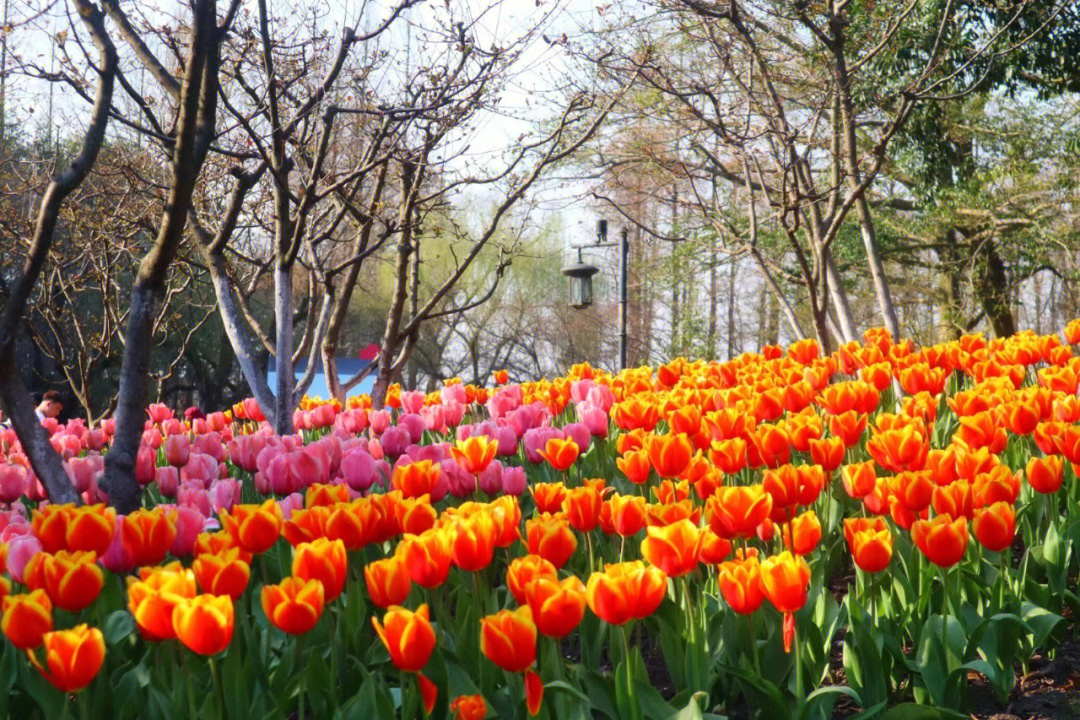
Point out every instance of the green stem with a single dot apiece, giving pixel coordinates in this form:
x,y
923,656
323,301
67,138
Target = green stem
x,y
798,668
753,643
187,684
215,676
303,672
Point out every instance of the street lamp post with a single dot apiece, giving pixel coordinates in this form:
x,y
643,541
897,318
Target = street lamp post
x,y
580,275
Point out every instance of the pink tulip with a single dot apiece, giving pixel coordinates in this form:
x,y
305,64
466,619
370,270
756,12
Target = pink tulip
x,y
216,421
490,480
13,482
167,478
579,433
117,559
414,425
379,420
94,440
224,494
358,469
535,439
210,444
412,401
454,393
177,449
514,480
144,465
20,549
394,440
189,523
151,438
159,413
352,421
196,496
306,468
601,396
278,477
579,390
593,418
200,468
459,483
291,504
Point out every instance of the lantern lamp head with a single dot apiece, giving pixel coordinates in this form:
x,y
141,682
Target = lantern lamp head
x,y
580,274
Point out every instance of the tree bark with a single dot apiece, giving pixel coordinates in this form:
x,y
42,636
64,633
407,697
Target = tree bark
x,y
14,399
195,123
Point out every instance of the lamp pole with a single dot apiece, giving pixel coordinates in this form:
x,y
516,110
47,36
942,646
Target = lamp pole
x,y
624,257
580,275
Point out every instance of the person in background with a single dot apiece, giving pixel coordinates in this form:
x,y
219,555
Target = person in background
x,y
50,405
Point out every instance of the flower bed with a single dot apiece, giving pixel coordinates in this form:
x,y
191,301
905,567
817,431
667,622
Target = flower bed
x,y
554,548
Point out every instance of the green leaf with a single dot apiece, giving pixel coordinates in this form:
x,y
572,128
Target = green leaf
x,y
911,711
118,626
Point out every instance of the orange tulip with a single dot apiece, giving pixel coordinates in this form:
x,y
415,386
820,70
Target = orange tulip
x,y
557,607
634,413
50,525
582,506
222,573
1045,474
736,511
740,584
550,537
469,707
474,542
204,623
417,478
914,490
712,549
27,618
323,494
770,446
387,581
729,455
427,556
506,513
72,580
674,548
942,540
208,543
955,499
148,534
803,533
549,497
306,524
870,543
322,560
90,528
625,591
899,449
859,479
408,636
848,426
559,453
508,639
255,528
670,454
1022,417
635,466
628,513
828,453
785,579
475,453
74,657
523,571
153,596
997,485
294,605
995,526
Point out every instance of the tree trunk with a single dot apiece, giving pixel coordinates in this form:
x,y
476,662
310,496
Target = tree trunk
x,y
198,103
992,287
